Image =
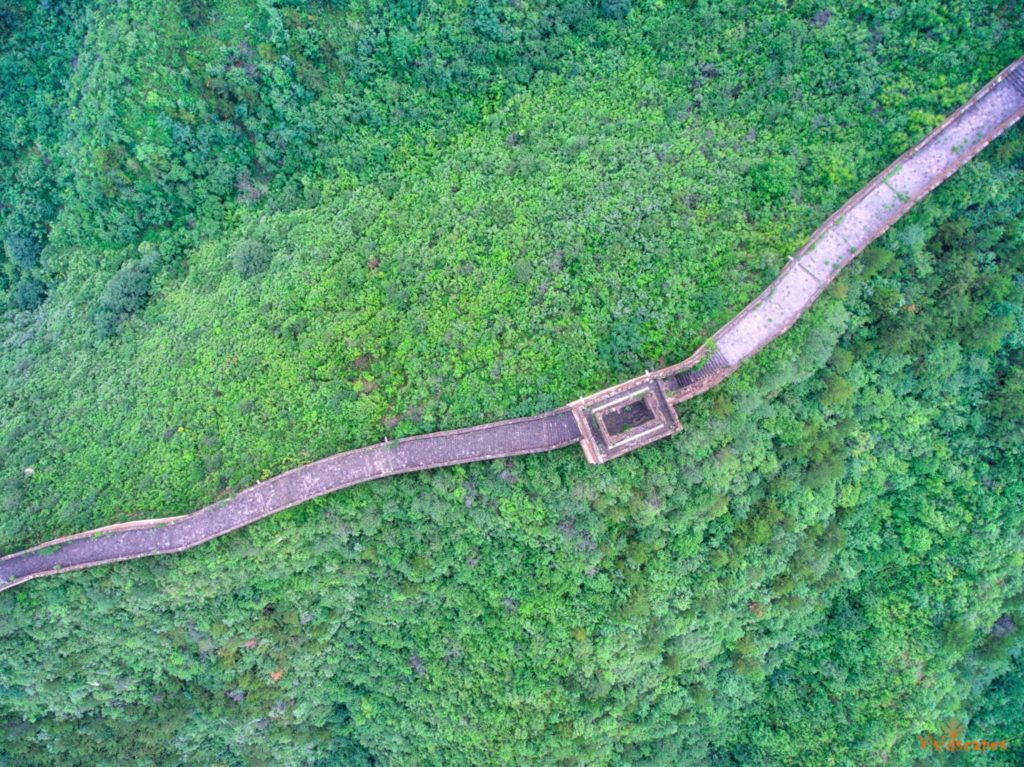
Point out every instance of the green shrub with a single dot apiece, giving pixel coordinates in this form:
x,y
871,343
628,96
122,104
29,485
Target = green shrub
x,y
29,294
773,179
23,250
615,9
126,293
107,323
250,258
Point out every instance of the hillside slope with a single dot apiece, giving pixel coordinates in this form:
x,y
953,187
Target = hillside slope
x,y
315,228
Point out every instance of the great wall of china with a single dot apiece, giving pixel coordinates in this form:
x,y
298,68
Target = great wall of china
x,y
609,423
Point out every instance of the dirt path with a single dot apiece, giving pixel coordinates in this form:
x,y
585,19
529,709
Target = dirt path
x,y
846,233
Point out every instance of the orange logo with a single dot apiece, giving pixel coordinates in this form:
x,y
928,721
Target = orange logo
x,y
951,740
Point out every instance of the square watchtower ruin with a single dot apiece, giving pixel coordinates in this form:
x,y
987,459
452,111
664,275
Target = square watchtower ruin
x,y
620,419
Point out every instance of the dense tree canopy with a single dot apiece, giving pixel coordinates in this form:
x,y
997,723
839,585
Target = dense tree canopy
x,y
238,236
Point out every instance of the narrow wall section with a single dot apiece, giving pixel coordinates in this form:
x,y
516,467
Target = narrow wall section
x,y
869,213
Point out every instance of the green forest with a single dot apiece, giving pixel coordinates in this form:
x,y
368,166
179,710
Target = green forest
x,y
240,236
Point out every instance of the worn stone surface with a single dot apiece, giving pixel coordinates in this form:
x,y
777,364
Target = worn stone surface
x,y
770,315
